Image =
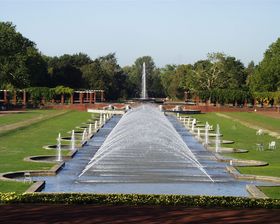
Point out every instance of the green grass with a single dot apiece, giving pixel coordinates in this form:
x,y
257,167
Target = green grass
x,y
12,186
262,121
28,141
246,138
272,192
18,117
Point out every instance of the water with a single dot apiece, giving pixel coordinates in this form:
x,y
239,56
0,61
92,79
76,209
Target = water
x,y
95,125
84,136
58,147
218,139
193,124
198,133
144,94
73,144
206,142
90,129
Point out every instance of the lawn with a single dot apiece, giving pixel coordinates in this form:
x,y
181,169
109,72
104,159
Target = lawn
x,y
28,141
246,138
6,119
272,124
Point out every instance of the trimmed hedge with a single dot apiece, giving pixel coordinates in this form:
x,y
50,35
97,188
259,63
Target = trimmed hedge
x,y
139,199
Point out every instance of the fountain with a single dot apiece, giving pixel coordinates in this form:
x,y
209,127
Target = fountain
x,y
198,133
218,140
189,121
84,136
206,142
141,146
73,140
145,152
95,125
58,147
90,129
193,124
100,120
127,107
144,94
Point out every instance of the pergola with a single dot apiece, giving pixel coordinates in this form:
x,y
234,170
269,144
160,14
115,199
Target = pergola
x,y
78,97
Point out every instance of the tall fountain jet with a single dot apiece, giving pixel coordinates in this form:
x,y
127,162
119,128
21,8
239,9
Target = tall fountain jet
x,y
144,94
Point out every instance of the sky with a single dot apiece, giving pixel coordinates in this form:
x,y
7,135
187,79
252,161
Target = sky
x,y
170,31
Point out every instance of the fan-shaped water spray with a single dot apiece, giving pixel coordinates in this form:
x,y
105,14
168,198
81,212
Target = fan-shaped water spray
x,y
142,147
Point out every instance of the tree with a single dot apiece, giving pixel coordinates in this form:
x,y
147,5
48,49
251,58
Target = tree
x,y
94,76
16,52
152,76
66,70
267,73
176,80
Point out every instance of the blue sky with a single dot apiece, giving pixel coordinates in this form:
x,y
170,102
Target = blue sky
x,y
171,31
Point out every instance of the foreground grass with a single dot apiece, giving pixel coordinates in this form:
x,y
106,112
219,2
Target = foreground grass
x,y
28,141
246,138
272,192
8,186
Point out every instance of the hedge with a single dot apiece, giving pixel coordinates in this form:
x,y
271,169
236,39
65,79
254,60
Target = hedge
x,y
139,199
224,95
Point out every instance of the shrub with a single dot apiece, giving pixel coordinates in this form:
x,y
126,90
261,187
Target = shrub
x,y
139,199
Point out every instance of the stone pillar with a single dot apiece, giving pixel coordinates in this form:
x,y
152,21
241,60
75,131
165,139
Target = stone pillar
x,y
43,101
255,102
197,100
90,98
87,95
81,97
102,96
94,96
15,98
62,99
5,96
72,98
24,98
186,95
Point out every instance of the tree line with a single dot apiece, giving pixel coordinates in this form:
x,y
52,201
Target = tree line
x,y
219,78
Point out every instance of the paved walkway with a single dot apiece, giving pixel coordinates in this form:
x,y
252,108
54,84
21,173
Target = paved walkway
x,y
88,214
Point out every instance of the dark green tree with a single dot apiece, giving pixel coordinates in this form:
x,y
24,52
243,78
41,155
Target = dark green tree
x,y
267,74
21,65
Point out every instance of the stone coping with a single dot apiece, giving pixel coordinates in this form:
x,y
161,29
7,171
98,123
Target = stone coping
x,y
38,186
227,150
46,158
255,191
240,162
52,172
